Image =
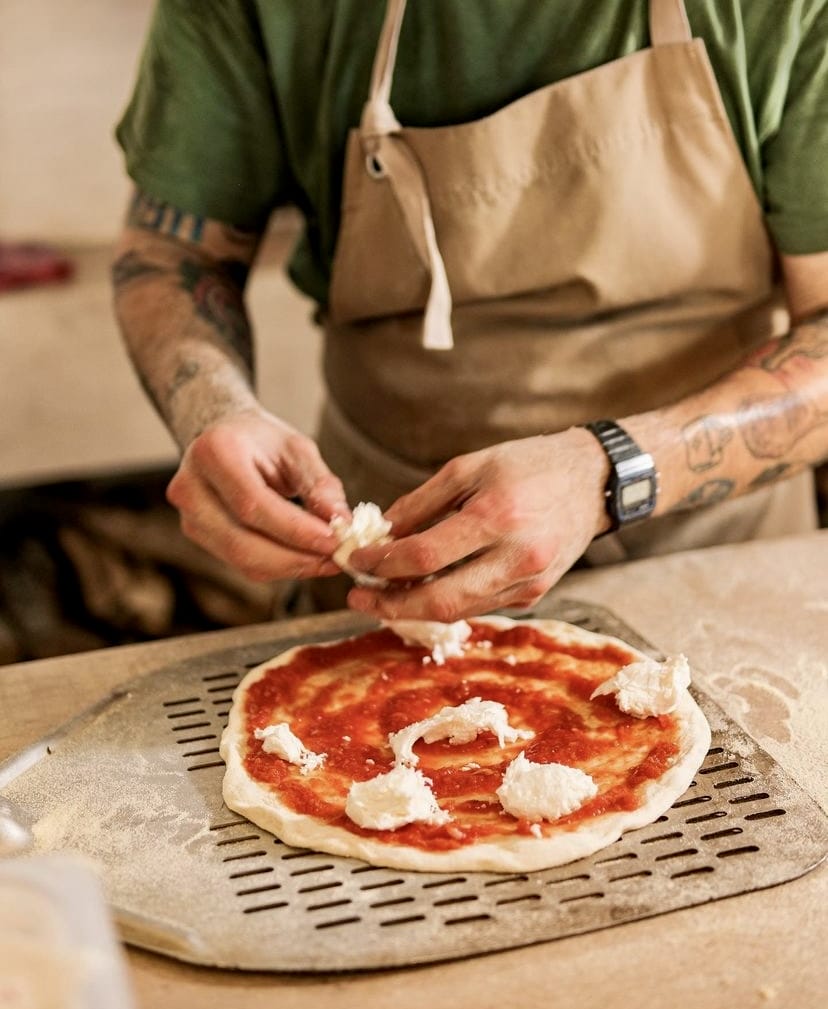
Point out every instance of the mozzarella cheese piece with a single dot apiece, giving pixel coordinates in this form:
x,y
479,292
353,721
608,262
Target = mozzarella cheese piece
x,y
543,791
460,724
444,641
366,528
391,800
280,740
648,687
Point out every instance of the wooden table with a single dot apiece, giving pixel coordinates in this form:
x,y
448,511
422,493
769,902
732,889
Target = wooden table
x,y
753,620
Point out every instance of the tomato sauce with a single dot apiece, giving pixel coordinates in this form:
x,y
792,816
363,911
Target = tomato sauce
x,y
344,700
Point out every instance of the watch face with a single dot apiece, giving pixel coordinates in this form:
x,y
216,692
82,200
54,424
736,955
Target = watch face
x,y
635,494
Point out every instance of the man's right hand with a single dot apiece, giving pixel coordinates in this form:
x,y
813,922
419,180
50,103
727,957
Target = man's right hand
x,y
234,489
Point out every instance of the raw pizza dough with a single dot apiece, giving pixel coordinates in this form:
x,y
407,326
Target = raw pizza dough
x,y
269,806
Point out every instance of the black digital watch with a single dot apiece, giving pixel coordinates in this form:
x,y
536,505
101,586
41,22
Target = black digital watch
x,y
632,487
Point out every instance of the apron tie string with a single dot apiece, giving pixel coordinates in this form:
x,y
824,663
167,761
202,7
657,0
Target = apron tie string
x,y
389,159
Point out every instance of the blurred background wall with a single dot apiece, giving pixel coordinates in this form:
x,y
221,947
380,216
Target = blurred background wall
x,y
89,552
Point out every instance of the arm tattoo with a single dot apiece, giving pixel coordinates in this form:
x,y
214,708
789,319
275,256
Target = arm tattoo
x,y
704,440
710,493
130,267
769,475
155,215
217,298
774,422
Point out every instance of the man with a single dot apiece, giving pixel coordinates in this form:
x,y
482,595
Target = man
x,y
580,219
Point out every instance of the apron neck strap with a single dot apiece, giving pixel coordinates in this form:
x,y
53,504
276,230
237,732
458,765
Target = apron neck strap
x,y
668,22
378,118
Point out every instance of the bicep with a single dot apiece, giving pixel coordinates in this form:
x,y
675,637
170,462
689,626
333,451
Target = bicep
x,y
154,227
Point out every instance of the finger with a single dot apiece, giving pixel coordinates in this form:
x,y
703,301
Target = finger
x,y
321,491
414,557
241,486
212,527
442,493
473,588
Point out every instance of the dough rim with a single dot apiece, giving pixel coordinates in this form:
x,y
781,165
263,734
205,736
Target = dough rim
x,y
246,796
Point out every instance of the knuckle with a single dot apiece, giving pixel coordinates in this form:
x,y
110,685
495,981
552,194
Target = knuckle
x,y
535,589
443,609
246,508
534,559
423,557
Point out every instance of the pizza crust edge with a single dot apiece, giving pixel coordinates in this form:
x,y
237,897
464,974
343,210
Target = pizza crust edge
x,y
246,796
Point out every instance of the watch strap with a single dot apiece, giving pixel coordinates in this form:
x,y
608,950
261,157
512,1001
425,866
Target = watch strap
x,y
630,468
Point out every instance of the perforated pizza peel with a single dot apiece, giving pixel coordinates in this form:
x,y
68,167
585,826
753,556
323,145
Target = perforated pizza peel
x,y
135,783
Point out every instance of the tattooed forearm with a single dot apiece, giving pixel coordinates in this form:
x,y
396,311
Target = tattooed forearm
x,y
704,441
771,475
763,422
708,493
132,266
217,299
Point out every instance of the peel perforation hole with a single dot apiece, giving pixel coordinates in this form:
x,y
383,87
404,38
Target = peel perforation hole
x,y
676,854
319,886
203,767
251,872
195,725
744,850
596,895
265,907
258,889
329,904
407,920
381,884
694,801
229,823
508,879
617,858
214,677
733,782
697,871
765,813
436,883
360,869
185,700
721,833
703,817
195,739
291,855
728,765
221,700
236,840
224,688
446,901
631,875
755,797
662,837
186,714
244,855
467,919
201,753
391,902
567,879
312,869
520,899
338,922
714,750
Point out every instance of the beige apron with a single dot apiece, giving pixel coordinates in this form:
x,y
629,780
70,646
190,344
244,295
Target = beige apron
x,y
593,249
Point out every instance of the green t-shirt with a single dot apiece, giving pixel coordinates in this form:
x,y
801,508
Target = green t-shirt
x,y
244,105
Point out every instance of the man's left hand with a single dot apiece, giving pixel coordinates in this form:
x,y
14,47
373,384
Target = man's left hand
x,y
496,528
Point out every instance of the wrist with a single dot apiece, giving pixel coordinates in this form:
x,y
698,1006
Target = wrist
x,y
630,491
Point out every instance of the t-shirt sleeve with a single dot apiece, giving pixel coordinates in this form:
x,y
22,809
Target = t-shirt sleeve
x,y
201,130
796,157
